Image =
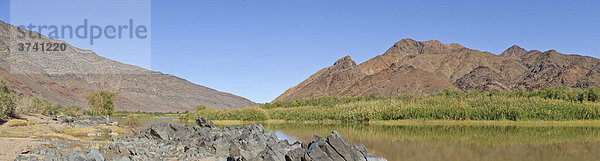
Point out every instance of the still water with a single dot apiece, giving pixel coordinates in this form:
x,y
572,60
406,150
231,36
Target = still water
x,y
453,142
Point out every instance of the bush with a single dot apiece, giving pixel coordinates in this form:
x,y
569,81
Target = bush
x,y
200,107
7,102
10,105
41,105
102,104
132,121
72,111
27,105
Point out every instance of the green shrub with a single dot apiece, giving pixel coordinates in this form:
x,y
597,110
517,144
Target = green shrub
x,y
200,107
45,107
7,102
72,111
132,121
41,105
102,104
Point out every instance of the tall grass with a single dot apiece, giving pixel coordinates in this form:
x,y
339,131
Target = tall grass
x,y
548,104
244,114
322,101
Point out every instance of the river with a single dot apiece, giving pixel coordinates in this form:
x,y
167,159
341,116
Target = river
x,y
452,142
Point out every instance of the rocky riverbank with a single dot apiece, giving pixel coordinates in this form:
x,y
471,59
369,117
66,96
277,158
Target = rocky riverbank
x,y
84,121
204,141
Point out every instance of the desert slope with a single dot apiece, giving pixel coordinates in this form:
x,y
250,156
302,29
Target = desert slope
x,y
68,77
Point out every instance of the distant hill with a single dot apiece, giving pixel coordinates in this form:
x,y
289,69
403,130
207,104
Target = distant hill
x,y
420,68
68,77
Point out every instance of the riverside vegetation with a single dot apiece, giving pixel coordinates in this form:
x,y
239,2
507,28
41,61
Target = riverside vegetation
x,y
13,105
546,104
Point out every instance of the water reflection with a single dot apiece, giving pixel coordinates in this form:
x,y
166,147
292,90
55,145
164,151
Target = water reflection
x,y
454,142
282,136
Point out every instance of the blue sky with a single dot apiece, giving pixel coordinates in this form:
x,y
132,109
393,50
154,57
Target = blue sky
x,y
258,49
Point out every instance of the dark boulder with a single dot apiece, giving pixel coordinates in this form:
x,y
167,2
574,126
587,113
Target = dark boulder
x,y
204,123
165,141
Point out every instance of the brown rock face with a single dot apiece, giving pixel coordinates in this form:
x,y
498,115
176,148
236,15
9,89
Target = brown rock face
x,y
396,80
514,51
418,68
68,77
482,78
326,82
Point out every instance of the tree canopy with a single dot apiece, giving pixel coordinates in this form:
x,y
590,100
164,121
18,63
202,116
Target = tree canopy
x,y
102,104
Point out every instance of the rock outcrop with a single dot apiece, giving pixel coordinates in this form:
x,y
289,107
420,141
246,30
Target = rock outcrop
x,y
84,121
328,81
420,68
166,141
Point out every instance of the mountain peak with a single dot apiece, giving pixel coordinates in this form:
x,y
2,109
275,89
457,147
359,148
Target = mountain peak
x,y
456,45
344,60
514,51
407,40
406,47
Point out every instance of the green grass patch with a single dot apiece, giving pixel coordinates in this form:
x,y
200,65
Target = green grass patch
x,y
18,122
11,134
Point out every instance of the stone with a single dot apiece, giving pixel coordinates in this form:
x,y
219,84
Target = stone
x,y
165,141
204,123
74,157
295,155
315,153
159,131
368,156
121,159
341,146
26,158
330,151
96,155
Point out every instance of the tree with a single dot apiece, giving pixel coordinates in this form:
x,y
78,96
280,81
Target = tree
x,y
102,104
7,101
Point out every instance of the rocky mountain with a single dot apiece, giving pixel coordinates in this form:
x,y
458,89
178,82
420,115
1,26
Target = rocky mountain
x,y
67,77
420,68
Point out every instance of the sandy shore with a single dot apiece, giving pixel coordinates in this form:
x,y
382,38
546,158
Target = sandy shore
x,y
11,147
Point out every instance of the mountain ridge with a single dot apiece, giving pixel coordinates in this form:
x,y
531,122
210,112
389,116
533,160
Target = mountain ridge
x,y
68,77
433,66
